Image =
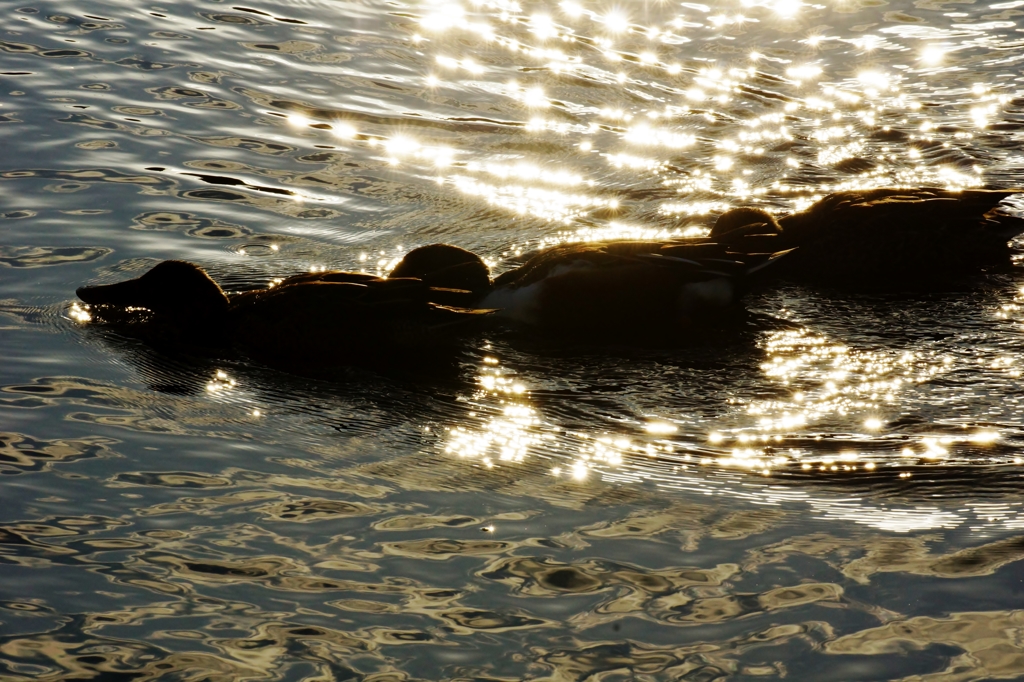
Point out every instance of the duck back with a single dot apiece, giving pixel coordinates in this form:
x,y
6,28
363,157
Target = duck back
x,y
336,323
898,237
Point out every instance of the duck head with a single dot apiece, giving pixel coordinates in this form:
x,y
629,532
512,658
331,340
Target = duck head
x,y
173,290
447,267
747,220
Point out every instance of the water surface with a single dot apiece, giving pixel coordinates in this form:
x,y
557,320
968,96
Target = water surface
x,y
831,492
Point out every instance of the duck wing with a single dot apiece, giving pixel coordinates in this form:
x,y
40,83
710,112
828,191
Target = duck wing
x,y
625,286
325,323
336,276
686,259
542,264
378,287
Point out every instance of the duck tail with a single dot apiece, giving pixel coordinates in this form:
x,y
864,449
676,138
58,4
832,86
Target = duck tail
x,y
771,260
448,316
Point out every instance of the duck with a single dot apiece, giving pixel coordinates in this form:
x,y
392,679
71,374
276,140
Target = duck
x,y
321,318
882,238
627,288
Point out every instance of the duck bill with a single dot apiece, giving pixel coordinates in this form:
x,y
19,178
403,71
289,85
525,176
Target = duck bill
x,y
123,294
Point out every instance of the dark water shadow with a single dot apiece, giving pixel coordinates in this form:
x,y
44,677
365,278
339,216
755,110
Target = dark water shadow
x,y
588,386
186,371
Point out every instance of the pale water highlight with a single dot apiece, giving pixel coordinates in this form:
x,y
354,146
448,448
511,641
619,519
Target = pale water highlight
x,y
831,492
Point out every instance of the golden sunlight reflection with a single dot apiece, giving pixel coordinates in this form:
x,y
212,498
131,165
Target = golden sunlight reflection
x,y
832,387
646,135
618,230
1012,310
220,382
572,9
503,428
522,170
344,130
693,208
543,27
786,8
616,21
512,427
818,117
468,64
932,55
534,98
506,437
548,204
600,119
632,162
443,16
660,427
804,72
875,82
79,314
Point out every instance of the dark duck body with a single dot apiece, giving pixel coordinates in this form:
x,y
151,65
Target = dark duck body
x,y
882,238
326,318
626,288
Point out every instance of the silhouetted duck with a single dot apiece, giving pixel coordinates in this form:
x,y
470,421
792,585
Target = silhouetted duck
x,y
309,319
173,304
881,238
626,287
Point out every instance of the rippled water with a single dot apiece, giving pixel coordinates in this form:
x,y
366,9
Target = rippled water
x,y
833,492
